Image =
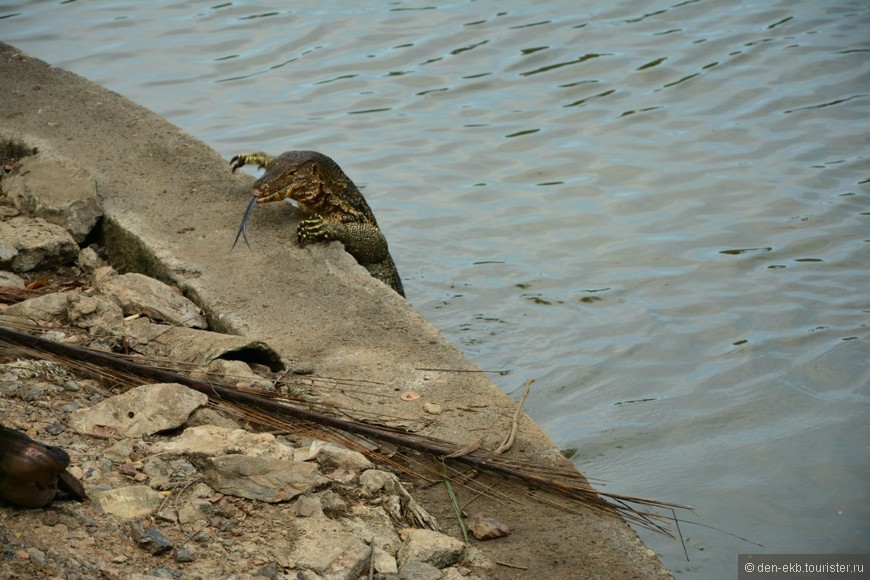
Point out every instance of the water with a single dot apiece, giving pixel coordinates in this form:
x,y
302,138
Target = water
x,y
659,210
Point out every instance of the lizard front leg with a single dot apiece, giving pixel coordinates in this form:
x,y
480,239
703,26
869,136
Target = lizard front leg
x,y
259,158
364,242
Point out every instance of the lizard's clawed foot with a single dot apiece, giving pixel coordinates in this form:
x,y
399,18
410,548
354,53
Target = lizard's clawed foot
x,y
237,162
260,159
313,229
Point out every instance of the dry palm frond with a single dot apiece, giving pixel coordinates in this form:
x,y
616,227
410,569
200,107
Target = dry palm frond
x,y
281,413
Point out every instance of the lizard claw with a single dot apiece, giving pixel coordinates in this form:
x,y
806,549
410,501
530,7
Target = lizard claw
x,y
237,161
314,229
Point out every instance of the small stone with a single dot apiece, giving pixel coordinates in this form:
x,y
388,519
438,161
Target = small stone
x,y
332,504
384,562
139,294
36,555
55,428
485,528
432,408
128,502
149,538
34,244
269,571
183,555
308,506
144,410
433,548
167,516
89,260
303,368
330,455
71,386
10,280
415,570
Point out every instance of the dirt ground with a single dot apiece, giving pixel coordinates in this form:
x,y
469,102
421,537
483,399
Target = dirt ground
x,y
170,203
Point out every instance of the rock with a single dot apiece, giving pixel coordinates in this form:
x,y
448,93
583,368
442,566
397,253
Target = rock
x,y
260,478
308,506
238,373
398,502
432,408
374,480
210,440
102,273
31,243
139,294
429,547
89,260
149,538
342,557
485,528
10,280
332,456
414,570
164,474
201,348
209,416
50,308
134,501
384,562
332,504
269,571
183,555
144,410
93,312
58,190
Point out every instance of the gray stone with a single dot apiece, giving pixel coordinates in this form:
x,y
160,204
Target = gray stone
x,y
260,478
34,244
430,547
10,280
211,440
89,260
332,504
93,311
485,528
138,294
343,557
149,539
183,555
414,570
307,506
374,480
164,474
332,456
133,501
50,308
144,410
60,191
384,562
269,571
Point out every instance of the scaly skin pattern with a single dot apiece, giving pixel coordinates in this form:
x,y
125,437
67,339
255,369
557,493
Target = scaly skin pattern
x,y
334,207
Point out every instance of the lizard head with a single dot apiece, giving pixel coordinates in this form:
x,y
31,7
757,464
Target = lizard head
x,y
302,176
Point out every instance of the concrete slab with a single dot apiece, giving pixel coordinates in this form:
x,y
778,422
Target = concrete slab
x,y
172,207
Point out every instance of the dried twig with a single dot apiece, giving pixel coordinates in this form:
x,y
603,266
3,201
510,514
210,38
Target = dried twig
x,y
509,439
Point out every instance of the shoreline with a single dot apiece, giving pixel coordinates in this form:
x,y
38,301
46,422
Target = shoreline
x,y
171,211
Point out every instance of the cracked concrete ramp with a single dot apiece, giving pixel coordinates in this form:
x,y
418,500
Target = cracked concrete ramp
x,y
172,207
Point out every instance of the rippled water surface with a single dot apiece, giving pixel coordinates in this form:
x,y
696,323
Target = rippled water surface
x,y
657,209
